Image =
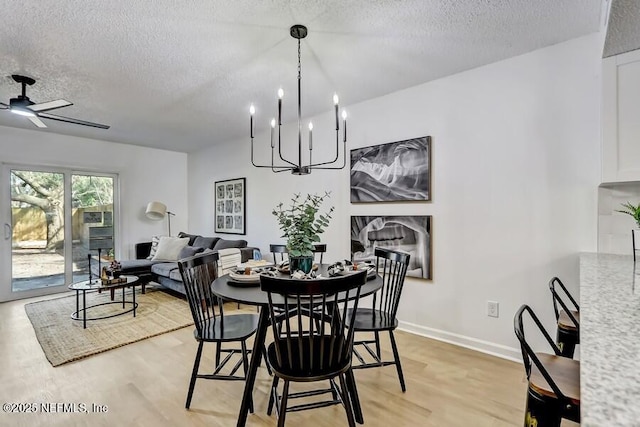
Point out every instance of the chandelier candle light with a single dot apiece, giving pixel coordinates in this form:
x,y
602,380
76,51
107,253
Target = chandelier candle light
x,y
299,32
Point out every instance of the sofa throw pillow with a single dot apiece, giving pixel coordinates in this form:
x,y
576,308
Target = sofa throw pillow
x,y
191,237
154,246
205,242
169,248
225,244
189,251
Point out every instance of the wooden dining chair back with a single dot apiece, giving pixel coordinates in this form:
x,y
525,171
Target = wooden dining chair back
x,y
392,266
554,381
319,248
211,325
567,318
313,338
280,253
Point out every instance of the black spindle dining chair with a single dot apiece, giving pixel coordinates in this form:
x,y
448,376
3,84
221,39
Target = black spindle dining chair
x,y
319,248
392,265
211,324
280,253
307,351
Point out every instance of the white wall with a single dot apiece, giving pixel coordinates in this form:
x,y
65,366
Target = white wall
x,y
515,169
145,174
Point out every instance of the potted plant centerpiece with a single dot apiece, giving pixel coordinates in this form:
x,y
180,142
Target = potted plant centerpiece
x,y
302,224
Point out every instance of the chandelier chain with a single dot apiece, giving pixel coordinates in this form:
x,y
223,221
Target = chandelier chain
x,y
299,66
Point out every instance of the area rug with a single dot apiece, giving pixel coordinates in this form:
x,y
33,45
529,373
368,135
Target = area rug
x,y
63,340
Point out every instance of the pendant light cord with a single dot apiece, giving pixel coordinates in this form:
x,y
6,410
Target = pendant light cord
x,y
299,109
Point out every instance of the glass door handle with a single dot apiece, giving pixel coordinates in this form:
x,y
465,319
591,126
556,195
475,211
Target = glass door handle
x,y
7,231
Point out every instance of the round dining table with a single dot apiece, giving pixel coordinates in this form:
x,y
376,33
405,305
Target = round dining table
x,y
251,294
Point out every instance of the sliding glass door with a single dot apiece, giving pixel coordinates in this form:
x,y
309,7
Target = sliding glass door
x,y
37,229
50,230
91,221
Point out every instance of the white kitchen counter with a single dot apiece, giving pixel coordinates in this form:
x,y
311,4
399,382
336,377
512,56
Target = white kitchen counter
x,y
609,340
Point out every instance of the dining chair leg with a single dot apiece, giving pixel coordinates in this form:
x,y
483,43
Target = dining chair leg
x,y
377,334
282,413
245,366
194,374
218,352
334,393
266,362
272,395
347,401
352,390
396,357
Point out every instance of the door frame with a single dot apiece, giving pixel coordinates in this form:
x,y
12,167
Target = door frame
x,y
6,289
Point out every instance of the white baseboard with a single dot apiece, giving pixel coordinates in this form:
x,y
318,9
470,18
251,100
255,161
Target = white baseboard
x,y
487,347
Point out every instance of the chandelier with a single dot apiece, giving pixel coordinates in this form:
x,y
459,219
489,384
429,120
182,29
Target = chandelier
x,y
283,164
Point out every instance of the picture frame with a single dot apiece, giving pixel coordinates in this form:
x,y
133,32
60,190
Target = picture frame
x,y
229,206
392,172
411,234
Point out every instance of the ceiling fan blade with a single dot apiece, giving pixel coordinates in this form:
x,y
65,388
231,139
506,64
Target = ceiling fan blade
x,y
70,120
46,106
36,121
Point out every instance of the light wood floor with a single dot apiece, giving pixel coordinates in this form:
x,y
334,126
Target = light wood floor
x,y
145,384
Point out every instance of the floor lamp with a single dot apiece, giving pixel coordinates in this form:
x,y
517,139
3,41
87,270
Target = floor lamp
x,y
157,210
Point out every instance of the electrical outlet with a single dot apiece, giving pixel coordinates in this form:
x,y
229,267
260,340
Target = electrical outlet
x,y
493,309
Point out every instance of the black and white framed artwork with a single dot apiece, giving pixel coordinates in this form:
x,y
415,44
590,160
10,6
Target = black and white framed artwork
x,y
229,206
411,234
396,171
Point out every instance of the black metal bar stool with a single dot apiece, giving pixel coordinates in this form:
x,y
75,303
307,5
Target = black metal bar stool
x,y
567,319
554,380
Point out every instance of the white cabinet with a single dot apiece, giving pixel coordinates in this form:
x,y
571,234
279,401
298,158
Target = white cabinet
x,y
621,118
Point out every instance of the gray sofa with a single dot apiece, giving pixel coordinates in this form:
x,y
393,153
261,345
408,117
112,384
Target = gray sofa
x,y
166,273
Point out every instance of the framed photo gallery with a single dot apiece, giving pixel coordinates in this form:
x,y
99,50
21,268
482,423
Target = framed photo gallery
x,y
393,172
230,206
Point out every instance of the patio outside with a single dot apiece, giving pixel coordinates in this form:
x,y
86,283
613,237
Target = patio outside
x,y
38,226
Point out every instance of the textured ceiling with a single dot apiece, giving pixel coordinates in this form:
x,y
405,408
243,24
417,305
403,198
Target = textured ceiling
x,y
623,31
180,75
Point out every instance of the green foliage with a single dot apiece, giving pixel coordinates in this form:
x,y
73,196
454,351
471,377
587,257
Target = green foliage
x,y
42,188
301,223
632,210
87,190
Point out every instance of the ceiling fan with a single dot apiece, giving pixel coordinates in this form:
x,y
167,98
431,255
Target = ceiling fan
x,y
23,106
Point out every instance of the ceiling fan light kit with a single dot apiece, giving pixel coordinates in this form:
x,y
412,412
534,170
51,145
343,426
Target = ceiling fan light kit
x,y
23,106
297,167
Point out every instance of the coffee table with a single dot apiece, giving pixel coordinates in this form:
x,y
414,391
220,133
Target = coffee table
x,y
95,285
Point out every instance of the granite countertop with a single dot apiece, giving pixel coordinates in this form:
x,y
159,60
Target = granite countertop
x,y
609,340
